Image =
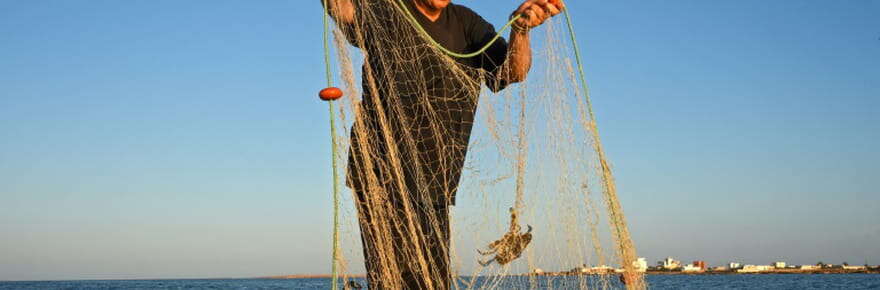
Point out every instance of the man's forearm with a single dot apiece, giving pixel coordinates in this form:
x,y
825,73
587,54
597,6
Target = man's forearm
x,y
342,11
532,13
519,56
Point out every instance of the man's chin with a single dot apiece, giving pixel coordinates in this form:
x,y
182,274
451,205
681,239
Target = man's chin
x,y
439,4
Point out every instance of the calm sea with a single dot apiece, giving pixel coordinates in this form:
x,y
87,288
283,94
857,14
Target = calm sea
x,y
768,281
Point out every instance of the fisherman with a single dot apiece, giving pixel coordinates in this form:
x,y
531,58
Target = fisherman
x,y
394,141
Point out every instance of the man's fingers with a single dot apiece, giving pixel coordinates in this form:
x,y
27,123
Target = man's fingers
x,y
549,8
540,15
531,16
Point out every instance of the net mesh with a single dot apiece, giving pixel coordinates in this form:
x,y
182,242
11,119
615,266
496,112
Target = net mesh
x,y
535,202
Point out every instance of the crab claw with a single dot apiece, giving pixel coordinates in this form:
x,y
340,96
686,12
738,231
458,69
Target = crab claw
x,y
530,229
486,263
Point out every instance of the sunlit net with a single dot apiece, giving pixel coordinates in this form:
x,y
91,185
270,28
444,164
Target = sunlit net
x,y
533,150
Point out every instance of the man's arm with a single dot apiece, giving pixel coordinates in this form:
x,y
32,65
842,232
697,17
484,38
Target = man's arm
x,y
519,55
342,11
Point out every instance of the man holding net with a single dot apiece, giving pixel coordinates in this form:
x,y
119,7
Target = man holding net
x,y
413,125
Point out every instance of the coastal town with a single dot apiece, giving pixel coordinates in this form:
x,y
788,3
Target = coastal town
x,y
673,266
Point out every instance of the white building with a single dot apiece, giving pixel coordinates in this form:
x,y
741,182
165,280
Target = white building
x,y
779,265
734,266
754,268
670,263
692,268
809,267
641,265
600,269
855,268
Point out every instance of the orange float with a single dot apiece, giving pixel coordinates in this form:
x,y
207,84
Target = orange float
x,y
330,94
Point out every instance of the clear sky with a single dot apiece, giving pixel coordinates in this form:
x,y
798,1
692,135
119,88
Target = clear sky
x,y
170,138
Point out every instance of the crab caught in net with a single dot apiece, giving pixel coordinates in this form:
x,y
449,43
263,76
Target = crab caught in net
x,y
421,127
510,246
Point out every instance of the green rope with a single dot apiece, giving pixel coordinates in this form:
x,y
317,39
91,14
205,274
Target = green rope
x,y
580,64
616,215
333,154
411,18
415,23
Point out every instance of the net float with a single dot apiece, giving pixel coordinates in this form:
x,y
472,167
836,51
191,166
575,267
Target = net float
x,y
330,94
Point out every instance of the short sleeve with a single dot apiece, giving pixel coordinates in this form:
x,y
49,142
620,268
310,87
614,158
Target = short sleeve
x,y
479,33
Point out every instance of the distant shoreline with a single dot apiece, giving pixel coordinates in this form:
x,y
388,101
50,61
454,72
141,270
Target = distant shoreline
x,y
781,271
725,272
826,271
327,276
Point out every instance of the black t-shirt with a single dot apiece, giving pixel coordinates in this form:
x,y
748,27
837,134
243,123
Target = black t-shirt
x,y
429,103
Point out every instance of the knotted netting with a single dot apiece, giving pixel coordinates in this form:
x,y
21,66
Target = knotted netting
x,y
535,204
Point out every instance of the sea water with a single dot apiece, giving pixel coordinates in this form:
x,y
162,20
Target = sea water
x,y
757,281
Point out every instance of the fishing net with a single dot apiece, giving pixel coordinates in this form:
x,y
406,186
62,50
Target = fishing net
x,y
534,200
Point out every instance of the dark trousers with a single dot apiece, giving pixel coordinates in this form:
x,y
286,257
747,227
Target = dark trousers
x,y
431,240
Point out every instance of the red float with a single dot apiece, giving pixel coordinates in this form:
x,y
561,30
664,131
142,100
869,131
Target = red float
x,y
330,94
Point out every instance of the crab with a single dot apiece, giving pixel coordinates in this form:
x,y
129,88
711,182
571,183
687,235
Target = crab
x,y
510,246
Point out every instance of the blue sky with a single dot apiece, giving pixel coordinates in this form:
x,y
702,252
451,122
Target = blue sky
x,y
184,139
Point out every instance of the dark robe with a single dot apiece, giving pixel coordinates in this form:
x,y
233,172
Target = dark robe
x,y
429,107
